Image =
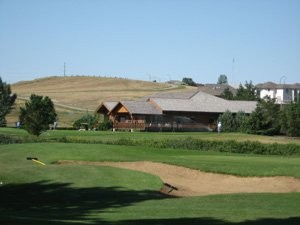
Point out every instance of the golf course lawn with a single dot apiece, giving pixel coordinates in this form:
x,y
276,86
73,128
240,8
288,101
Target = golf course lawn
x,y
86,194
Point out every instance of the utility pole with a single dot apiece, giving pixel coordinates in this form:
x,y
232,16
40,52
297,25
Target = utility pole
x,y
232,70
64,69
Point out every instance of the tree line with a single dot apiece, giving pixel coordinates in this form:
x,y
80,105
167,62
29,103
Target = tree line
x,y
267,119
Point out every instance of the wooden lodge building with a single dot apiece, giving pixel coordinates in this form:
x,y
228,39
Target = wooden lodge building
x,y
180,111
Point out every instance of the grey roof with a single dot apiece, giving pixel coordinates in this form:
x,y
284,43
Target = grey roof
x,y
216,89
195,101
173,95
244,106
271,85
203,102
108,105
139,107
267,85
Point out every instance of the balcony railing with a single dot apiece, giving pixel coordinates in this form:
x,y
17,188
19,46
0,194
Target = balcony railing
x,y
141,125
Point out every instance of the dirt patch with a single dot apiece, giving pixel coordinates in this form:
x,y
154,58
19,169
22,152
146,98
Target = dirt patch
x,y
182,181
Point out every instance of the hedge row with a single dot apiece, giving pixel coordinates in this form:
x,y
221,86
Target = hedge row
x,y
246,147
9,139
5,139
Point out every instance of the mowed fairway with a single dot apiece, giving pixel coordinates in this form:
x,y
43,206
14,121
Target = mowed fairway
x,y
31,193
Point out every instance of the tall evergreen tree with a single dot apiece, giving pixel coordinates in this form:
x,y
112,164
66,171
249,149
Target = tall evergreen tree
x,y
290,119
227,121
241,122
265,118
227,94
7,99
247,92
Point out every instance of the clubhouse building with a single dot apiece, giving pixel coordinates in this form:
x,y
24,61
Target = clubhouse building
x,y
180,111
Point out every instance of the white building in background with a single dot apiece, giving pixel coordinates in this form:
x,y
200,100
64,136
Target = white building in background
x,y
283,93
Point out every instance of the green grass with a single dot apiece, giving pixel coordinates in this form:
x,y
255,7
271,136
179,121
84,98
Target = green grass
x,y
238,164
81,194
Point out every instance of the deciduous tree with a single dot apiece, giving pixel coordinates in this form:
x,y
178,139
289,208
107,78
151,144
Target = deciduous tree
x,y
188,81
222,79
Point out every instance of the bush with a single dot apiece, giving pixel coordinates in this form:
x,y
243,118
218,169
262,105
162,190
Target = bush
x,y
89,121
106,125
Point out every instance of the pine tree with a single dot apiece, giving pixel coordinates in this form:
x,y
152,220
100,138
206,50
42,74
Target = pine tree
x,y
7,99
37,114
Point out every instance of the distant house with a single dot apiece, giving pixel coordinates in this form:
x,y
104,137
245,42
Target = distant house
x,y
183,111
283,93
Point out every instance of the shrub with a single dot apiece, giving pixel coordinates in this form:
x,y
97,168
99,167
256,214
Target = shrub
x,y
106,125
89,121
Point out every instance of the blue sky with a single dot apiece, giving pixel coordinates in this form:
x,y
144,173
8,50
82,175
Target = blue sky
x,y
256,40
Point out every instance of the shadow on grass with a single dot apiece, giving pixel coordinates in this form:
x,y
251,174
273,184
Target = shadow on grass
x,y
40,202
61,204
207,221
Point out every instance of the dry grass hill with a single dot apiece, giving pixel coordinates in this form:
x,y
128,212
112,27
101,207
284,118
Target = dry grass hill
x,y
74,95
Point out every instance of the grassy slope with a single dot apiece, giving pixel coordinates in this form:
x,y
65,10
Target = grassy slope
x,y
53,194
74,95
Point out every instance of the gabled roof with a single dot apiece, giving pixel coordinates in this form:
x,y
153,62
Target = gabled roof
x,y
140,107
195,101
203,102
106,107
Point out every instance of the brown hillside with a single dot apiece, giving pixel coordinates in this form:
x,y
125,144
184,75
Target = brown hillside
x,y
74,95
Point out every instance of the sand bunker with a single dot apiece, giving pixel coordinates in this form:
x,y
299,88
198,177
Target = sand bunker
x,y
181,181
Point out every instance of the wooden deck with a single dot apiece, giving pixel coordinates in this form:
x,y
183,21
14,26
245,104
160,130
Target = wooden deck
x,y
140,125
